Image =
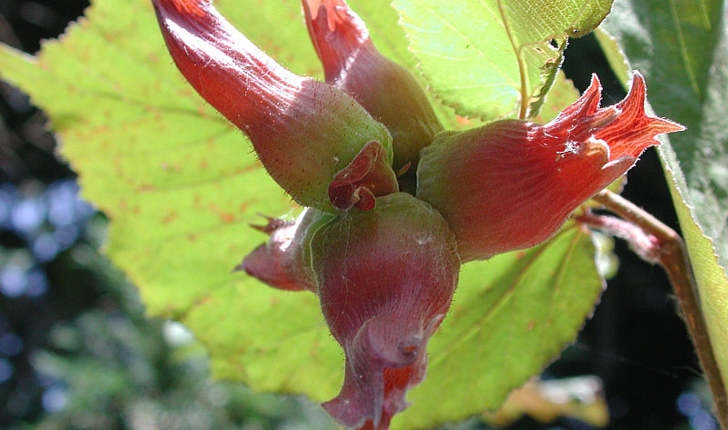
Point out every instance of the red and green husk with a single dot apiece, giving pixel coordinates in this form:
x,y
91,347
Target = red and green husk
x,y
304,131
385,89
381,314
385,263
385,280
511,184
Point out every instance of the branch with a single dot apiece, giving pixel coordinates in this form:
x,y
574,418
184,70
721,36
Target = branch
x,y
657,243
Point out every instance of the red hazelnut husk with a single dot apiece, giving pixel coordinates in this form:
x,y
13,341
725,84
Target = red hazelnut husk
x,y
304,131
512,184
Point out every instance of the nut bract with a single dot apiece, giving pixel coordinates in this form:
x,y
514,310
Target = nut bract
x,y
385,89
385,279
511,184
282,262
304,131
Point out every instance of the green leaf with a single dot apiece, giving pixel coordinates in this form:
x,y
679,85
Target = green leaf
x,y
288,44
181,185
561,94
490,59
511,316
390,39
681,48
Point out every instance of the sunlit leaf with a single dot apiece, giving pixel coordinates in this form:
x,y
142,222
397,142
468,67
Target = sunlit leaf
x,y
511,316
390,39
562,93
482,56
180,185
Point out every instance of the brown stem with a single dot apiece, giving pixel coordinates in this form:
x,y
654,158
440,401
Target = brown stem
x,y
657,243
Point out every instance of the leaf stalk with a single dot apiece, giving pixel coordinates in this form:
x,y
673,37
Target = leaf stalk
x,y
523,109
657,243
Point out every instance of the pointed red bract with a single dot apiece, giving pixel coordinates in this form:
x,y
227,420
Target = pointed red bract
x,y
365,178
511,184
280,262
284,262
304,131
387,90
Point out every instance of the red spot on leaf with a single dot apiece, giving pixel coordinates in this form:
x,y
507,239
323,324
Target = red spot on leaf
x,y
227,217
171,216
146,188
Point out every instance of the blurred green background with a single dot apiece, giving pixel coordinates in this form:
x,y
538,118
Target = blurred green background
x,y
77,353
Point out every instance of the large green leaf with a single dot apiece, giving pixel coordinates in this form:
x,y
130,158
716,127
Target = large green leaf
x,y
391,41
682,49
511,316
491,58
181,185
